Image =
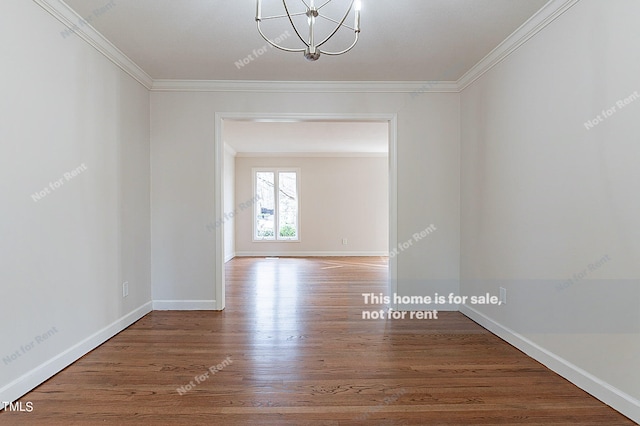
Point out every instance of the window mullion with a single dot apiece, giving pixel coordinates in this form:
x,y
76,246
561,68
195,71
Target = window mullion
x,y
276,204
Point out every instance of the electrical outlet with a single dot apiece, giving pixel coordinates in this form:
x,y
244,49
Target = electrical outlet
x,y
503,295
344,241
125,289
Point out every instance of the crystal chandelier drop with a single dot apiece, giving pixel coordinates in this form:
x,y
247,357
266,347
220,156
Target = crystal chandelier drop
x,y
312,49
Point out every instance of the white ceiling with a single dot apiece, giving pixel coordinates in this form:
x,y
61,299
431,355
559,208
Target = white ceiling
x,y
401,40
309,137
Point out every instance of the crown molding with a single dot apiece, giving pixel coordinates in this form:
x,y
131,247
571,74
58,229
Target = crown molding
x,y
303,86
549,13
70,19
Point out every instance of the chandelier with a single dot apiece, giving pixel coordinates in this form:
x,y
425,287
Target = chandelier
x,y
312,49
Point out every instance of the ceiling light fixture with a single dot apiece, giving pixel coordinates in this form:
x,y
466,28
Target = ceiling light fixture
x,y
312,49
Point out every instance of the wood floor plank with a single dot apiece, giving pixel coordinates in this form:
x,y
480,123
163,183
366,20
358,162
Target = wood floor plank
x,y
301,354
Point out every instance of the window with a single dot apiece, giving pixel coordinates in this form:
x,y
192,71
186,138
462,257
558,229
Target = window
x,y
277,206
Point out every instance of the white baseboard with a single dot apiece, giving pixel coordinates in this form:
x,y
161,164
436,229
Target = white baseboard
x,y
617,399
48,369
229,257
184,305
311,253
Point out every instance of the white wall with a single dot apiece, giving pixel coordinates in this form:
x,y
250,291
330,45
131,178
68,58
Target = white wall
x,y
182,157
229,205
546,201
64,257
340,197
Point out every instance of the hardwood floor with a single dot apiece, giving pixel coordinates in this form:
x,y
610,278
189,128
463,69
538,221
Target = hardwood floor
x,y
291,349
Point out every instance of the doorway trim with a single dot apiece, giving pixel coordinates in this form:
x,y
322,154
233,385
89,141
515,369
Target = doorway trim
x,y
391,119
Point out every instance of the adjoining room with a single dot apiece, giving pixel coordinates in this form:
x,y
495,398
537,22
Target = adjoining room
x,y
335,204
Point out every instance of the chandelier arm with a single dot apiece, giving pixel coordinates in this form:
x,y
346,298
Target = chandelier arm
x,y
282,16
286,49
336,22
344,51
306,5
286,9
337,27
323,4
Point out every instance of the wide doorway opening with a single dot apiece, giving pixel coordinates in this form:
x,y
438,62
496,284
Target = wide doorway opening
x,y
300,186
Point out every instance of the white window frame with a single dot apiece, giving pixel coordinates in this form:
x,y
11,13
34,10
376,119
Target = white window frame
x,y
276,231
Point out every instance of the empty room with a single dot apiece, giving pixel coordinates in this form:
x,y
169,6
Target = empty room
x,y
320,212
